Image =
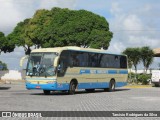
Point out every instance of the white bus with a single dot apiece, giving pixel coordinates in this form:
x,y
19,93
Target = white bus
x,y
71,68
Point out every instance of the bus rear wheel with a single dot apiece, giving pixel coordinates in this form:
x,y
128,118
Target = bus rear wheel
x,y
111,86
46,92
72,88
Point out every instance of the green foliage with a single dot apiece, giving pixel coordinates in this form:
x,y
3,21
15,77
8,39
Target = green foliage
x,y
2,41
19,36
146,57
62,27
5,44
141,78
131,77
4,65
144,78
135,55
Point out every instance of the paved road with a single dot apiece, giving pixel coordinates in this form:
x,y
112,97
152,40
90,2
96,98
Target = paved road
x,y
14,97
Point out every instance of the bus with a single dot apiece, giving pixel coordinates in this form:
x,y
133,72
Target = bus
x,y
71,68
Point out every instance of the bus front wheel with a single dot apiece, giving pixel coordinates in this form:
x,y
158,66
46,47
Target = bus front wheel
x,y
72,88
46,92
111,86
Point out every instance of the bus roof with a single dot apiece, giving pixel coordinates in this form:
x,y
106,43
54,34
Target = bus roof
x,y
74,48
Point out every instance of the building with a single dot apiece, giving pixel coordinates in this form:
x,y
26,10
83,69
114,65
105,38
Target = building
x,y
156,52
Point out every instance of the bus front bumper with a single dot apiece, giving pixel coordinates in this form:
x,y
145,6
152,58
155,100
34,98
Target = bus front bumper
x,y
49,86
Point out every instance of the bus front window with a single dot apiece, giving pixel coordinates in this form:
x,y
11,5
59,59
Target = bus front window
x,y
41,64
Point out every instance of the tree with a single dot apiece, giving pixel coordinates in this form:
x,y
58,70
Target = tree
x,y
130,63
3,66
62,27
146,57
134,57
5,44
78,28
20,38
2,41
34,30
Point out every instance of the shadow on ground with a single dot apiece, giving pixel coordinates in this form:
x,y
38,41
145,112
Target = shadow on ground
x,y
5,88
56,93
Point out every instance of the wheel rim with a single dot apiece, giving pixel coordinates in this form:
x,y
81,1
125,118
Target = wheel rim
x,y
73,88
112,86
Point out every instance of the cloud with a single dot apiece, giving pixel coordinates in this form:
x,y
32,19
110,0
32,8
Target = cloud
x,y
134,27
9,16
132,22
115,8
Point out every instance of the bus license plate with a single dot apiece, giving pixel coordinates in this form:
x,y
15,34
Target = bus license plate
x,y
38,87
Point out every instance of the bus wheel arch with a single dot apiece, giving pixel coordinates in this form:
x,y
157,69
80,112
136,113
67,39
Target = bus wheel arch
x,y
72,86
112,85
47,92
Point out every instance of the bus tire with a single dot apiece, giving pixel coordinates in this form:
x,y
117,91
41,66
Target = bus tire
x,y
46,92
89,90
111,86
105,89
72,88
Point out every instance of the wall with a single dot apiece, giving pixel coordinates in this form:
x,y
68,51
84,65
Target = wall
x,y
12,75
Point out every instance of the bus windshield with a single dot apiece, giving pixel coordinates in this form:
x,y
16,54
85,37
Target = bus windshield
x,y
41,64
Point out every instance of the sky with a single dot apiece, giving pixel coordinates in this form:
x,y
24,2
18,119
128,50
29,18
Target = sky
x,y
134,23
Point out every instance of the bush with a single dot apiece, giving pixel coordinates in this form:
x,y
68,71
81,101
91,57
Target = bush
x,y
143,78
3,66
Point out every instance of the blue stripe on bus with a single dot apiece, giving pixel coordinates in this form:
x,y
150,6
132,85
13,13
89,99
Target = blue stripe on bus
x,y
37,78
123,72
93,85
65,86
87,71
112,71
99,85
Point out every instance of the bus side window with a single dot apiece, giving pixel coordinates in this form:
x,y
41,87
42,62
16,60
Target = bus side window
x,y
74,58
63,63
116,62
93,60
104,61
123,62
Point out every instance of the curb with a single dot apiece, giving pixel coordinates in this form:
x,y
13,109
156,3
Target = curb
x,y
12,81
138,86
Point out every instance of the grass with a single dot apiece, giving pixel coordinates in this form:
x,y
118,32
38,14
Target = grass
x,y
137,86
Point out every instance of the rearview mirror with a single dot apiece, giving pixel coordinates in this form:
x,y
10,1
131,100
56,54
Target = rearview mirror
x,y
56,61
22,60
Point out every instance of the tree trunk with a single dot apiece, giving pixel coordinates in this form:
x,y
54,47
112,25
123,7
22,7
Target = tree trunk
x,y
27,50
135,76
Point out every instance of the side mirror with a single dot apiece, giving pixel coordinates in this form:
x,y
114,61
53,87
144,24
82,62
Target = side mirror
x,y
22,60
55,64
